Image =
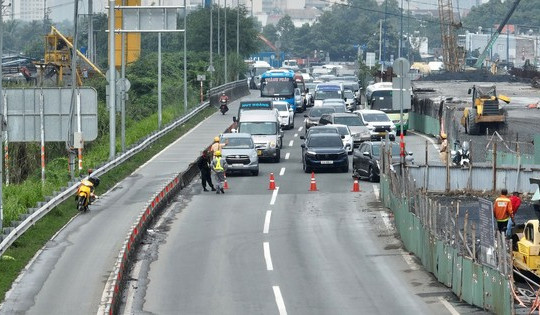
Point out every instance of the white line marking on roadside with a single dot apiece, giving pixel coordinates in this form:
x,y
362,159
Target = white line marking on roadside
x,y
291,143
300,129
267,221
408,259
267,257
295,135
279,300
282,171
376,192
274,196
448,306
427,138
288,155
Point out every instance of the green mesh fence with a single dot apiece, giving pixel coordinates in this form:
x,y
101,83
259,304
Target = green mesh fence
x,y
476,284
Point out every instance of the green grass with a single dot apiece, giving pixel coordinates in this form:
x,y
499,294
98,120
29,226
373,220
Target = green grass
x,y
25,247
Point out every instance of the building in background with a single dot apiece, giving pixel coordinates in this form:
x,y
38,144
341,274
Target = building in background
x,y
25,10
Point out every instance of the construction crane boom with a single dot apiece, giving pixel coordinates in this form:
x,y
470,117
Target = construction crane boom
x,y
495,35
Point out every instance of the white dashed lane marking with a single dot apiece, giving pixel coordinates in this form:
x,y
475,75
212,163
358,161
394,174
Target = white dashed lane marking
x,y
267,222
274,196
287,156
267,257
291,143
279,301
282,171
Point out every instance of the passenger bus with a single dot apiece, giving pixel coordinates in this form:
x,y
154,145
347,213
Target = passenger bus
x,y
299,79
379,97
281,85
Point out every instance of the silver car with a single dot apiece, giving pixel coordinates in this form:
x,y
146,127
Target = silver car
x,y
240,153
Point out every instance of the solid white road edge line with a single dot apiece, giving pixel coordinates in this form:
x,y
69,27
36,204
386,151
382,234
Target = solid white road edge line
x,y
267,257
279,300
376,192
408,259
448,306
288,155
291,143
427,138
267,221
274,196
282,171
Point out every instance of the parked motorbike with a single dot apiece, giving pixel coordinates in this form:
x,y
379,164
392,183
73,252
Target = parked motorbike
x,y
460,155
223,106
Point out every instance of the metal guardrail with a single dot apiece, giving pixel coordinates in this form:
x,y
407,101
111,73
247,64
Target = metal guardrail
x,y
33,217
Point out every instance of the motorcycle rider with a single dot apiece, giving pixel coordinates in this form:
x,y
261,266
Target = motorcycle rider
x,y
223,101
90,182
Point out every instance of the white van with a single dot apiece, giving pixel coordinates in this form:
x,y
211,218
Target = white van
x,y
264,127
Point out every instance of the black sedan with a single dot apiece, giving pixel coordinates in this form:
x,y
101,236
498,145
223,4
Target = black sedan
x,y
367,157
324,151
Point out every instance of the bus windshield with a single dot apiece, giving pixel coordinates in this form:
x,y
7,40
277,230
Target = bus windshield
x,y
381,100
325,94
277,88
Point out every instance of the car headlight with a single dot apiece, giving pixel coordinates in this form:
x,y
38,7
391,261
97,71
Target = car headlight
x,y
393,128
254,154
311,153
365,133
370,127
272,144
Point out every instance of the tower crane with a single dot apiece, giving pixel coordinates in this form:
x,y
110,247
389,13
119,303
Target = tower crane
x,y
451,57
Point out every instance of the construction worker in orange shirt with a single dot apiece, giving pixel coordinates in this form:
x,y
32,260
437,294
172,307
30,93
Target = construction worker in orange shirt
x,y
502,210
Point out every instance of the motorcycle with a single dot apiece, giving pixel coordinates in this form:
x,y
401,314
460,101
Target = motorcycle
x,y
223,106
85,193
461,154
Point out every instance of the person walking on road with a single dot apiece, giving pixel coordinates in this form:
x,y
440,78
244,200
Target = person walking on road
x,y
516,202
204,167
219,166
502,210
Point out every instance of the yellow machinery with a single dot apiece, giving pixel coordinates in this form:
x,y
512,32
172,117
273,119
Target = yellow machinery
x,y
58,56
527,256
485,110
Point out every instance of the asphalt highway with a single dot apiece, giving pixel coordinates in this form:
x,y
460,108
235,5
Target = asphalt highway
x,y
290,250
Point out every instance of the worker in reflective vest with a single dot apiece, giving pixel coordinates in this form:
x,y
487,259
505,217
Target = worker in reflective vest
x,y
219,166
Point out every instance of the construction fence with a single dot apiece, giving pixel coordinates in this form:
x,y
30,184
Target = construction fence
x,y
435,116
446,242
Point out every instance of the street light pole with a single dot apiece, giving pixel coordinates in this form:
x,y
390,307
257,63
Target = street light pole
x,y
185,59
211,66
112,83
226,76
237,34
400,31
218,28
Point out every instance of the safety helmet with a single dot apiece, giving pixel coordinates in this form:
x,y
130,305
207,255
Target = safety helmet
x,y
217,153
216,139
223,93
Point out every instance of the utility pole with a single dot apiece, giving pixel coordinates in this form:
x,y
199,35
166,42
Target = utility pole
x,y
211,66
70,140
237,34
226,76
159,77
185,59
90,49
112,84
218,29
400,31
2,112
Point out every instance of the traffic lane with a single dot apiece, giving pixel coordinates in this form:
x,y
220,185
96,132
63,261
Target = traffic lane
x,y
327,254
68,276
212,261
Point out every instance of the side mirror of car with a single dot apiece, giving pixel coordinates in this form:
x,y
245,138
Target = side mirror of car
x,y
290,109
302,138
305,115
342,137
366,153
234,119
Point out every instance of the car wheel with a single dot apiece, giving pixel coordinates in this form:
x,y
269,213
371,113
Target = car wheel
x,y
278,156
292,125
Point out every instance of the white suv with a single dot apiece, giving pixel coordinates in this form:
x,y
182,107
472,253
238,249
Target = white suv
x,y
378,123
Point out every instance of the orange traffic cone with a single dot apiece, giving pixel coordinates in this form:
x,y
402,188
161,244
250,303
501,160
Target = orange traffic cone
x,y
225,184
356,186
272,185
313,186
